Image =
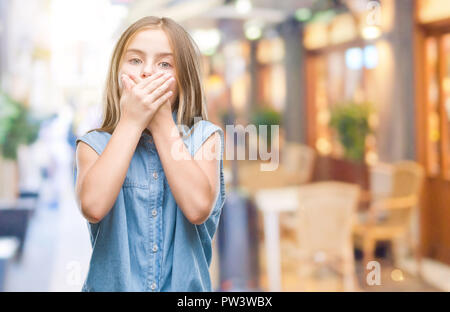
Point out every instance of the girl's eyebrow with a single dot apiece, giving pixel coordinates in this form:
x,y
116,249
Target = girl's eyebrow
x,y
160,54
135,51
164,54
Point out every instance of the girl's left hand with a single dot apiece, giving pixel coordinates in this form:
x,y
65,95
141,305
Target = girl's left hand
x,y
162,115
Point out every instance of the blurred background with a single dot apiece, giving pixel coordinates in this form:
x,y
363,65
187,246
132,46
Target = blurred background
x,y
361,90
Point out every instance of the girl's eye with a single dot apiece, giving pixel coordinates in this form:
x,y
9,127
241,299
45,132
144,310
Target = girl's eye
x,y
135,61
166,65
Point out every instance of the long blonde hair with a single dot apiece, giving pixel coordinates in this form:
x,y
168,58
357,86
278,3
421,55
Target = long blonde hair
x,y
190,102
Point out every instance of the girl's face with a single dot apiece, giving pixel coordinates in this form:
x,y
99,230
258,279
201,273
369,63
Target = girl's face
x,y
148,53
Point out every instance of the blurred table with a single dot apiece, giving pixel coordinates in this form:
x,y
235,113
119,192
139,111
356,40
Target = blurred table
x,y
272,202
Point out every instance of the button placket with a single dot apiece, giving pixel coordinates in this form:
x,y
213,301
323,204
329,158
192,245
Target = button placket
x,y
154,223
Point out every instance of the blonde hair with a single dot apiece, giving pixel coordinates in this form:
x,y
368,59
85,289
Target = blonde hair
x,y
190,102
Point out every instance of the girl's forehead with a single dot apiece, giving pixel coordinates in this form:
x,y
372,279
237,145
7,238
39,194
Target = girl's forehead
x,y
150,41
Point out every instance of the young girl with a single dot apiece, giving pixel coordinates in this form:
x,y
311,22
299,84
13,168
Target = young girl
x,y
152,191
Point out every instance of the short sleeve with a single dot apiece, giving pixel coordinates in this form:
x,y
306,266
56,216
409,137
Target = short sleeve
x,y
200,132
95,139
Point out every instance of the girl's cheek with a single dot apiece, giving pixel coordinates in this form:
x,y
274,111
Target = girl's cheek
x,y
128,71
174,87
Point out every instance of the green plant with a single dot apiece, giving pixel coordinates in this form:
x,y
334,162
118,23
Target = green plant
x,y
16,126
266,116
351,122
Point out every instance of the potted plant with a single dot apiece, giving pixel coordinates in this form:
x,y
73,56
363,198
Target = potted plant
x,y
265,116
350,120
17,127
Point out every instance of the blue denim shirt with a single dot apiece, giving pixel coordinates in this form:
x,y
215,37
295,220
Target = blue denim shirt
x,y
145,243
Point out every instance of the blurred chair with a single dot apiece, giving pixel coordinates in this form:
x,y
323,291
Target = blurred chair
x,y
298,162
324,229
296,167
395,192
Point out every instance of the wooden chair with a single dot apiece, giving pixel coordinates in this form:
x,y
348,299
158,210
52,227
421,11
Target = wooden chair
x,y
298,162
298,165
395,195
324,229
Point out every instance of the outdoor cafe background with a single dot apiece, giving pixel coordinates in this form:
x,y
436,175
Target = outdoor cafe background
x,y
359,88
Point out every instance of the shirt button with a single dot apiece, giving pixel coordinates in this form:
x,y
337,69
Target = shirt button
x,y
154,212
155,248
153,286
155,175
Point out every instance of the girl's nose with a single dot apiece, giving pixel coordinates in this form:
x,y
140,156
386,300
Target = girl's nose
x,y
145,75
147,71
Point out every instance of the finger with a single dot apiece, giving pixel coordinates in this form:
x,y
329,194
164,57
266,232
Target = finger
x,y
159,83
159,90
135,79
161,100
144,82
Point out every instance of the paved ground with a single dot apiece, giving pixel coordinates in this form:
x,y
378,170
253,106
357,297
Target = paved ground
x,y
57,249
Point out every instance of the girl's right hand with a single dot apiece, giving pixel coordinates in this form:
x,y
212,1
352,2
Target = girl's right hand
x,y
141,100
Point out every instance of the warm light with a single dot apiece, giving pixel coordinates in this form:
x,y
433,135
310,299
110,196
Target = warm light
x,y
316,35
433,123
397,275
215,85
433,10
342,29
446,84
371,32
323,146
373,120
270,51
323,117
243,6
371,158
